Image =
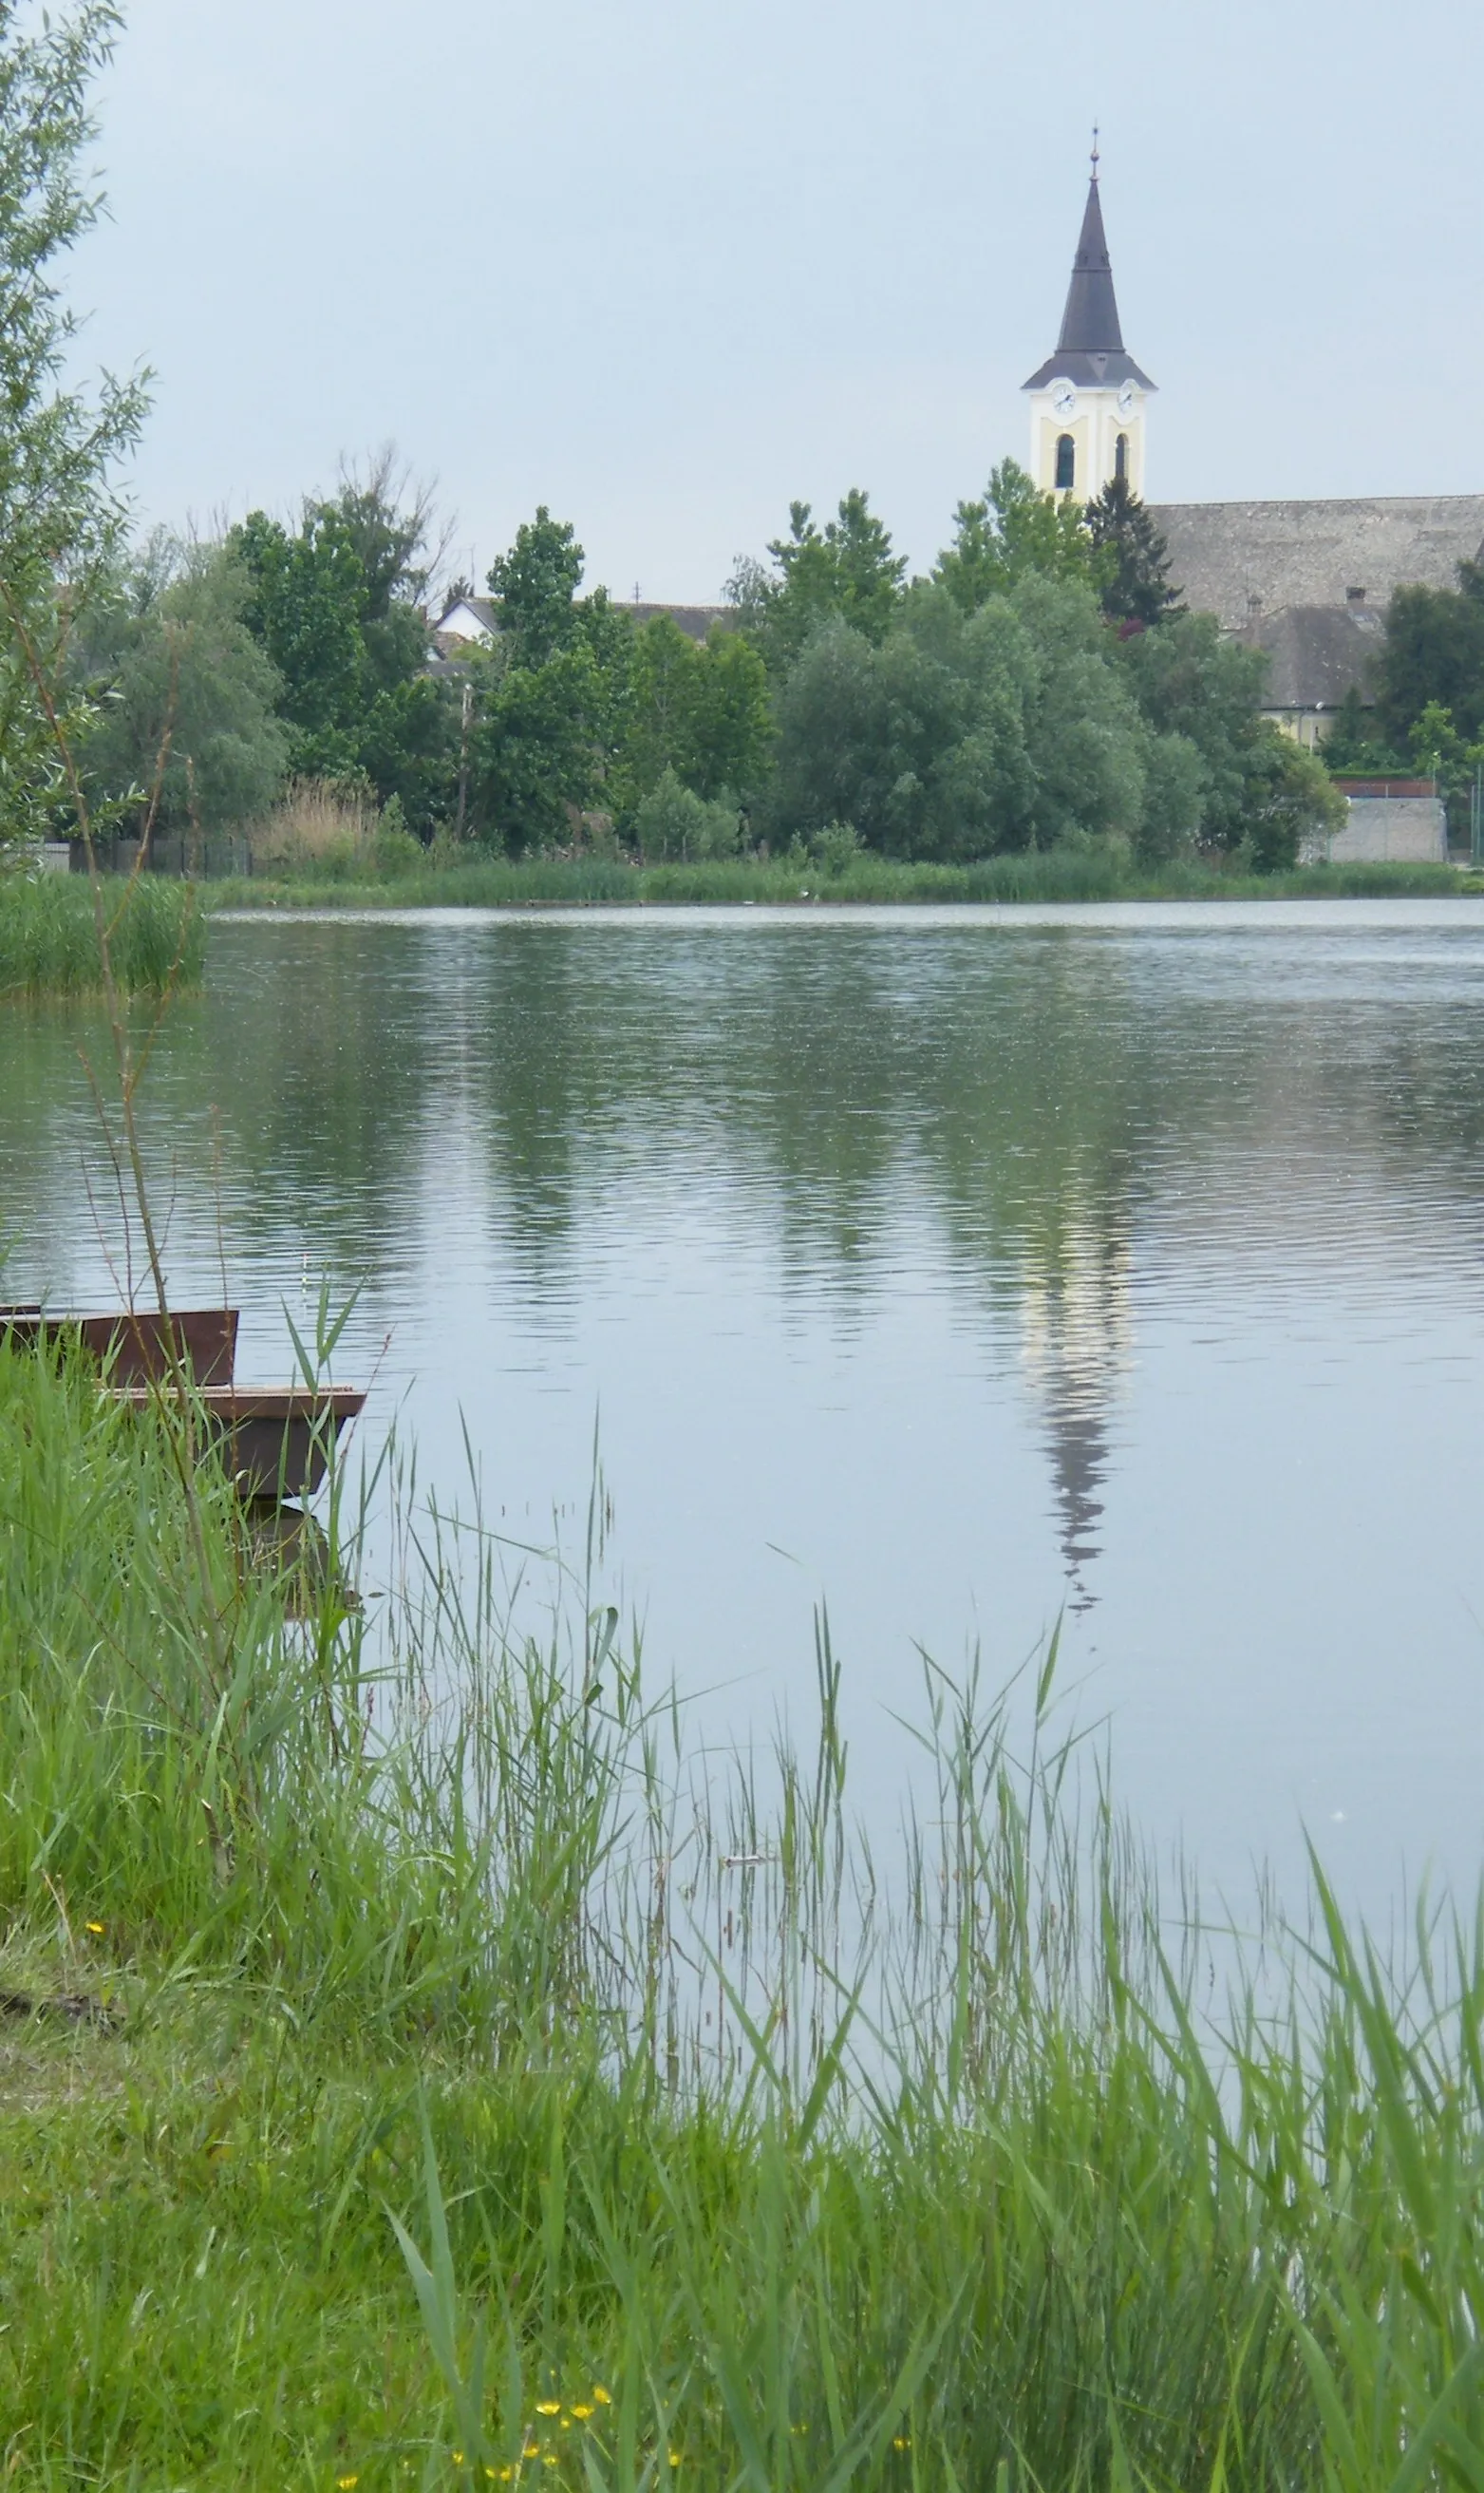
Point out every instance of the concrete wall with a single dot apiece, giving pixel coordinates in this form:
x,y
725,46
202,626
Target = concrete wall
x,y
1413,829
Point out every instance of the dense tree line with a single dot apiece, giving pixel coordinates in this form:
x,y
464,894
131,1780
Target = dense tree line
x,y
1041,687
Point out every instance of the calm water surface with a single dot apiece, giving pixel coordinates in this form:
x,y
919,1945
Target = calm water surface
x,y
960,1267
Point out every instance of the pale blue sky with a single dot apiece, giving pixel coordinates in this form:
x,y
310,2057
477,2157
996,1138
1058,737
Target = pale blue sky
x,y
665,266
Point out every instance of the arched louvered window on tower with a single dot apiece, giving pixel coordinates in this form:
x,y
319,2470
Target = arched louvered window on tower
x,y
1120,459
1066,463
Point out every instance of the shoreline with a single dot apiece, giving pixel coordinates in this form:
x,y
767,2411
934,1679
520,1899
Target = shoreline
x,y
580,884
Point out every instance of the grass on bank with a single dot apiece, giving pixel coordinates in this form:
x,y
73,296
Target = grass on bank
x,y
49,937
597,882
724,2152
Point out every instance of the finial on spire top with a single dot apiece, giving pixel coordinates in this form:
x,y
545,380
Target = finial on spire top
x,y
1095,151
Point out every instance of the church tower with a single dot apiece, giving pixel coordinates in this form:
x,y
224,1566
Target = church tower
x,y
1087,400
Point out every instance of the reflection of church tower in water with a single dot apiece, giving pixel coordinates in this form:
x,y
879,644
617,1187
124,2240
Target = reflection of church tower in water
x,y
1087,400
1076,1347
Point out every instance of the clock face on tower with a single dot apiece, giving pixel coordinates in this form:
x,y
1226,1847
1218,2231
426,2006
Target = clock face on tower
x,y
1126,399
1063,400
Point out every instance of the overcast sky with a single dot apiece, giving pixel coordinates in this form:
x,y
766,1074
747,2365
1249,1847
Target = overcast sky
x,y
666,265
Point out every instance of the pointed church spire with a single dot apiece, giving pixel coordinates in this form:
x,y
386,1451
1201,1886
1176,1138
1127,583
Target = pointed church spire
x,y
1091,350
1090,324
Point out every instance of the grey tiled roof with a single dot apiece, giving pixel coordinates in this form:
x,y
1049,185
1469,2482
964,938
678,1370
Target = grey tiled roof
x,y
694,621
1316,653
1225,556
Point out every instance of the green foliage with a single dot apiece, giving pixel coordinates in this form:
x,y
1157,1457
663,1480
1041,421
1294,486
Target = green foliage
x,y
962,734
1088,746
1015,532
333,605
183,695
305,600
673,822
1354,742
536,584
553,695
48,938
1291,797
845,572
1258,787
1433,652
699,709
1133,558
60,516
539,744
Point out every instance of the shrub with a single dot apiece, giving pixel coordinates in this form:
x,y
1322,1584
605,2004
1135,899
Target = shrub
x,y
673,822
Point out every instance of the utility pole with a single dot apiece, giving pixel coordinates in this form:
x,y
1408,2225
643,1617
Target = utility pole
x,y
463,757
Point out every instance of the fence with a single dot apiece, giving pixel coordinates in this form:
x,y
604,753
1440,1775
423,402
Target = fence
x,y
170,853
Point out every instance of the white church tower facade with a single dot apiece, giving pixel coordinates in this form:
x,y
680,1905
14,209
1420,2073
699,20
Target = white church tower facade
x,y
1087,400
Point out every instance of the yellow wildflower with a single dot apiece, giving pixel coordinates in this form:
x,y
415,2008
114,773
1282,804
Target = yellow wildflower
x,y
600,2396
675,2458
344,2482
902,2441
581,2413
549,2406
96,1930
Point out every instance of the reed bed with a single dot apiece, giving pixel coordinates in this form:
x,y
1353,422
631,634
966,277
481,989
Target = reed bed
x,y
482,881
444,2071
48,938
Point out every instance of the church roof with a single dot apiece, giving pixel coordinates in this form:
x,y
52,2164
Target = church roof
x,y
1239,560
1091,350
1316,653
1090,324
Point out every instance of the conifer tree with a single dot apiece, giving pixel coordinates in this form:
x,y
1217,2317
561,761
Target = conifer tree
x,y
1134,559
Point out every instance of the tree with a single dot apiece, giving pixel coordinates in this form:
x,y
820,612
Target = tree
x,y
731,732
538,748
186,700
1433,651
389,518
1087,743
61,516
1262,792
846,570
1134,558
920,741
1190,682
1291,797
336,607
1015,531
673,822
555,691
536,584
305,597
962,734
1355,741
699,709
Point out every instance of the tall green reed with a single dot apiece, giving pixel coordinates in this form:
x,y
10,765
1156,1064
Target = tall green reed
x,y
48,942
833,2163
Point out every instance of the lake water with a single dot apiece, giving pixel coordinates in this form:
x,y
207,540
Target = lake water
x,y
961,1267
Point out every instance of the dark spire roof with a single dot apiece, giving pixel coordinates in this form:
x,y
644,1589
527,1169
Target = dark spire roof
x,y
1090,324
1090,347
